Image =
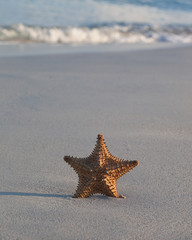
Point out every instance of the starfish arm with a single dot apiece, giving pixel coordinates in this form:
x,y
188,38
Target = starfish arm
x,y
119,167
84,190
77,164
109,187
125,166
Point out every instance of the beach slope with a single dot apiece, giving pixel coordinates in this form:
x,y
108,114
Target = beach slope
x,y
55,105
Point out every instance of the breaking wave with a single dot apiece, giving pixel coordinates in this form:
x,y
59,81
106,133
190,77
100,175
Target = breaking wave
x,y
114,33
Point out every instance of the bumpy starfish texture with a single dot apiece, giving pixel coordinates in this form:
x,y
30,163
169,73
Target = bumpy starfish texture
x,y
99,172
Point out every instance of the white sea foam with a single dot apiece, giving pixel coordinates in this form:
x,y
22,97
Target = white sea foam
x,y
116,33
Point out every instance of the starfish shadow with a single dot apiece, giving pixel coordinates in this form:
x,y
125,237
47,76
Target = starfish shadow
x,y
24,194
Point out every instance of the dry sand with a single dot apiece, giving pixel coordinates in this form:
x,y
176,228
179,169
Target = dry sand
x,y
55,105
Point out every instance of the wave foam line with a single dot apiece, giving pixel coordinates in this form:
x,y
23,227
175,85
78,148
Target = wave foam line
x,y
130,33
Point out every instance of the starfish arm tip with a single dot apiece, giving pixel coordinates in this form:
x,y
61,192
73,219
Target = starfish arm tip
x,y
134,163
100,136
122,196
137,162
66,158
74,196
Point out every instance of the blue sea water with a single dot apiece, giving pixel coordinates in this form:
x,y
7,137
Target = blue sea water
x,y
96,21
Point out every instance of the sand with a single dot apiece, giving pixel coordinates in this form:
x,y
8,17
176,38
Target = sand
x,y
55,105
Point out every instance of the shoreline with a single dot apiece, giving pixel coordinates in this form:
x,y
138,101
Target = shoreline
x,y
38,49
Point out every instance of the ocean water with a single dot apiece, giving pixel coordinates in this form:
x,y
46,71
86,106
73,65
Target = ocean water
x,y
96,21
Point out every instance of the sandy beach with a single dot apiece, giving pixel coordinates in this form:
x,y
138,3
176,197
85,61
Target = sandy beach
x,y
55,105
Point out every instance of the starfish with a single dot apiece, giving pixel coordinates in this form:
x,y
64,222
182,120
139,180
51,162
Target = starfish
x,y
99,172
